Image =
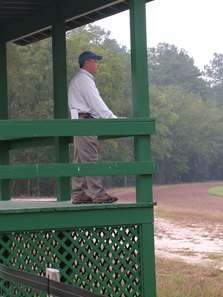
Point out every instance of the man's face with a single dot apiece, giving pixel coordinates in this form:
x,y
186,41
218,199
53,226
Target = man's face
x,y
91,66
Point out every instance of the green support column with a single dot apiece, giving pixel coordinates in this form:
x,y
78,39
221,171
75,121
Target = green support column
x,y
60,99
140,81
140,91
148,265
3,82
4,150
139,58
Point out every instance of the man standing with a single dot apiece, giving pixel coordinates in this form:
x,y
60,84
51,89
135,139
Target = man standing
x,y
85,102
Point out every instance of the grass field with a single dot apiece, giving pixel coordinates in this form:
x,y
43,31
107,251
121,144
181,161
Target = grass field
x,y
217,191
179,279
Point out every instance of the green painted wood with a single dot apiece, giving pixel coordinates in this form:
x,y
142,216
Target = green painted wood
x,y
139,58
22,143
4,161
102,243
31,24
148,264
81,169
69,10
59,67
4,148
24,205
140,89
142,143
29,216
44,19
114,220
63,188
143,183
50,128
3,82
72,9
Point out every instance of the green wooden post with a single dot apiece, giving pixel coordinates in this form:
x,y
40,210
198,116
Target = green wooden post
x,y
140,91
148,266
3,82
60,98
142,143
4,151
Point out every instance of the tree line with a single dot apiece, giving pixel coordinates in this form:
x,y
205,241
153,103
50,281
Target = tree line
x,y
186,103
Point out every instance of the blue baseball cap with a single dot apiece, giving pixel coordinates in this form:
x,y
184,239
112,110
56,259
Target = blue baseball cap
x,y
87,56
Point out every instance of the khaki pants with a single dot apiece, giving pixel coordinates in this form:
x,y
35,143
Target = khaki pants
x,y
86,151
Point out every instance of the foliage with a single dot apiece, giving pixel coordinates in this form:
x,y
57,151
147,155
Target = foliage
x,y
31,88
187,106
170,66
214,72
192,130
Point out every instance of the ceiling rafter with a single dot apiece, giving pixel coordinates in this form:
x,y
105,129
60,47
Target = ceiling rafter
x,y
27,21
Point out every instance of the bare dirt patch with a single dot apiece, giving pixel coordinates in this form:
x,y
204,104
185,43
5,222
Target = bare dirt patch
x,y
194,244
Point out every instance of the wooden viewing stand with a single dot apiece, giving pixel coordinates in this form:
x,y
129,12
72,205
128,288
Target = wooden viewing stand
x,y
105,249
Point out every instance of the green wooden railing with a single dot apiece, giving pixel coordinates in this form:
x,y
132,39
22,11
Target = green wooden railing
x,y
105,249
22,134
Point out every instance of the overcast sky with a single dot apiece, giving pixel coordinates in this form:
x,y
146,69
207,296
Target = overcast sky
x,y
194,25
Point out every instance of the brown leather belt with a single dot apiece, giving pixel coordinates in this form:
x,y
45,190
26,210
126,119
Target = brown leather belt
x,y
85,115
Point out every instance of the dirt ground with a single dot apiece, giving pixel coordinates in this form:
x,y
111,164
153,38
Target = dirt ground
x,y
192,198
188,222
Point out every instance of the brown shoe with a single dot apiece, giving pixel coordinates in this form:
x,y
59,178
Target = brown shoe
x,y
105,199
81,199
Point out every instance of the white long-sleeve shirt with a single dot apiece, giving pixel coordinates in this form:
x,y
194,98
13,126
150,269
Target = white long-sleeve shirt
x,y
84,97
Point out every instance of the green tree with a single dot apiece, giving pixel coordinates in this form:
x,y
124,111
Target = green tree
x,y
213,73
188,137
188,141
169,65
30,86
165,119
